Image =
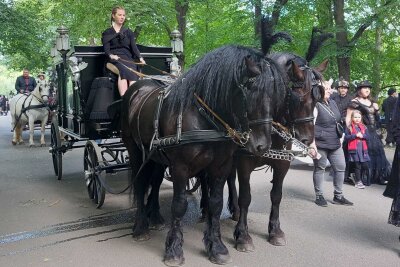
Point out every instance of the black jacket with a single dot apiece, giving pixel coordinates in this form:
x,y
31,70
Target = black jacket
x,y
326,136
21,85
122,44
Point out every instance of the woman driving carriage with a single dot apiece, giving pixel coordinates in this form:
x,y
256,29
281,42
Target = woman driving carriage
x,y
120,47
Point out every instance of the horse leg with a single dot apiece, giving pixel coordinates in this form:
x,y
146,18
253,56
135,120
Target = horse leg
x,y
173,245
204,196
157,222
216,250
140,185
19,133
31,131
243,240
15,135
42,129
276,235
233,197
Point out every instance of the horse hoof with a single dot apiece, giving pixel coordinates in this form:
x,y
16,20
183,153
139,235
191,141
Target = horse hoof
x,y
142,237
245,247
157,227
174,261
14,143
277,240
42,145
220,259
32,145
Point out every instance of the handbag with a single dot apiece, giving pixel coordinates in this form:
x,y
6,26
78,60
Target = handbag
x,y
339,127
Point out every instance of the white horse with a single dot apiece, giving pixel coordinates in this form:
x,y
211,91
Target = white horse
x,y
28,109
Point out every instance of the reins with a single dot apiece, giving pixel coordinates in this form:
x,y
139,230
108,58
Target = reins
x,y
150,66
237,137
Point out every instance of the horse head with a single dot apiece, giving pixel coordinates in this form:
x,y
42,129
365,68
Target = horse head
x,y
234,81
306,90
42,91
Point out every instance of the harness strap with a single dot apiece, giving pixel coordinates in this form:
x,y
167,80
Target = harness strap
x,y
237,137
189,137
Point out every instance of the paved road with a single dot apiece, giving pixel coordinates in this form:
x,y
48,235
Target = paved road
x,y
45,222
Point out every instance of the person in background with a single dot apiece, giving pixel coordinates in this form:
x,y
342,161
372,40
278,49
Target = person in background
x,y
379,167
327,146
342,99
41,77
25,84
393,187
356,136
2,105
120,47
388,107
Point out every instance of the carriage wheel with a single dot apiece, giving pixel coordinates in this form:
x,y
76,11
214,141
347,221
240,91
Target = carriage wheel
x,y
192,185
91,166
56,154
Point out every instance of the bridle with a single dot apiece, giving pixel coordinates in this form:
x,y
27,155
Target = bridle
x,y
295,85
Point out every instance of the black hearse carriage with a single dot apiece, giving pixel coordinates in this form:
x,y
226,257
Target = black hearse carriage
x,y
85,91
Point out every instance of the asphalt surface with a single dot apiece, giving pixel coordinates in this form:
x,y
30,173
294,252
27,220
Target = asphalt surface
x,y
46,222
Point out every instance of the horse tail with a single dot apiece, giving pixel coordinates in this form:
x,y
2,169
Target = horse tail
x,y
268,39
317,39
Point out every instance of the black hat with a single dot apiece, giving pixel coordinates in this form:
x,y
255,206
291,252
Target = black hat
x,y
391,91
362,84
343,83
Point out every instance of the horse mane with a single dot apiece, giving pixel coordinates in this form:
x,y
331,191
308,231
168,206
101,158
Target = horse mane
x,y
218,74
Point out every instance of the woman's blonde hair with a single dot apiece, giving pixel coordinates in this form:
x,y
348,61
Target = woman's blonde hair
x,y
114,11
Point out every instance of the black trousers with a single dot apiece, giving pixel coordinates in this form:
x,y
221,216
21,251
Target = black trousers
x,y
360,169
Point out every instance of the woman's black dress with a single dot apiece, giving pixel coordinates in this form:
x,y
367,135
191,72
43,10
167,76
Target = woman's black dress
x,y
122,44
379,166
393,186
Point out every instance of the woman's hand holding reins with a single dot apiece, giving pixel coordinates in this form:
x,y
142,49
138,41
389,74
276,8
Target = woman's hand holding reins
x,y
114,57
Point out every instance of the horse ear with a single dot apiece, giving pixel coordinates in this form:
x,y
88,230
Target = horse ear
x,y
318,92
322,67
252,69
297,72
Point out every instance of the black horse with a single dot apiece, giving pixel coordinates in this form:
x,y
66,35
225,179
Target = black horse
x,y
241,88
297,116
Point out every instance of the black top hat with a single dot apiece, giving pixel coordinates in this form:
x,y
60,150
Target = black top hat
x,y
362,84
391,91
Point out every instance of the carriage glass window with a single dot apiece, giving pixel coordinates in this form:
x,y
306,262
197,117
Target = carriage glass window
x,y
70,95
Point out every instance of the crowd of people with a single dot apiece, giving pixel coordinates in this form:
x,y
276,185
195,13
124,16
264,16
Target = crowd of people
x,y
348,135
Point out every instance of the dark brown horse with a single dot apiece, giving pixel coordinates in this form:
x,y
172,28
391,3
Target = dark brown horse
x,y
241,87
298,117
300,120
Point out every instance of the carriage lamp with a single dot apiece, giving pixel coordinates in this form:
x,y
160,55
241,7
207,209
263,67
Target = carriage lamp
x,y
176,42
62,40
53,50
